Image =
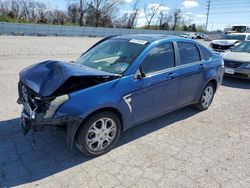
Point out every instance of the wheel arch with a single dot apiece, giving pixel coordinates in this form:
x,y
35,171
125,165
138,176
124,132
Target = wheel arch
x,y
107,109
73,130
214,82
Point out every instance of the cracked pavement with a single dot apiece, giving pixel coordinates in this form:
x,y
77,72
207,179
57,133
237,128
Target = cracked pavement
x,y
186,148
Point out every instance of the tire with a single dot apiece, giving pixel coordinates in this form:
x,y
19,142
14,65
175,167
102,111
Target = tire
x,y
98,134
206,97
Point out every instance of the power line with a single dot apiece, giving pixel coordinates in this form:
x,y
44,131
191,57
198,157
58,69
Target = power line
x,y
228,1
221,7
226,6
208,10
229,8
242,12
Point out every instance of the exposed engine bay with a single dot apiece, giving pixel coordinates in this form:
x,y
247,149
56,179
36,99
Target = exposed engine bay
x,y
38,111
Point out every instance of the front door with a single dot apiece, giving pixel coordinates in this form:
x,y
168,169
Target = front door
x,y
157,92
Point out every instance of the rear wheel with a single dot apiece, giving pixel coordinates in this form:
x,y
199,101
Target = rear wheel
x,y
98,134
206,97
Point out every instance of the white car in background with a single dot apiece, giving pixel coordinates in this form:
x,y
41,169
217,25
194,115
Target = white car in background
x,y
228,41
202,36
237,61
189,35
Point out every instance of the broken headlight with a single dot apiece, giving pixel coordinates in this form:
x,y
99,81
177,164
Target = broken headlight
x,y
55,104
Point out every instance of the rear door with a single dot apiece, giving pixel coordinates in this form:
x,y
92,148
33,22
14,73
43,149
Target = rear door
x,y
157,92
191,69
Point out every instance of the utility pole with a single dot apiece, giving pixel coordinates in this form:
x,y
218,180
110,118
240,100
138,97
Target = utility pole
x,y
208,10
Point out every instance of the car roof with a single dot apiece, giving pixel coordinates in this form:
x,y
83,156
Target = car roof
x,y
146,37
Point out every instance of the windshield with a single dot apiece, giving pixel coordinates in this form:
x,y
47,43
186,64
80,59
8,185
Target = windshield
x,y
113,55
242,47
234,37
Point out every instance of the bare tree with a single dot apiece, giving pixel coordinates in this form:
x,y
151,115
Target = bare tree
x,y
32,11
93,13
81,13
100,12
73,12
150,11
164,20
4,7
58,17
132,17
25,11
177,15
14,9
41,13
128,19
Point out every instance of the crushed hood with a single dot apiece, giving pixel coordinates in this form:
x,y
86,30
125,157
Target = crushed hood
x,y
237,56
46,77
224,42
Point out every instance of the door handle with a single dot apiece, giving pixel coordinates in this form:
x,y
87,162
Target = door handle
x,y
172,75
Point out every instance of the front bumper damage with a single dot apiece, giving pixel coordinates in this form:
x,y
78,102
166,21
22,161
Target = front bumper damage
x,y
39,124
38,114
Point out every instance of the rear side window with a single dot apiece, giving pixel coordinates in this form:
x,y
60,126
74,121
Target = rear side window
x,y
189,53
206,54
159,58
248,38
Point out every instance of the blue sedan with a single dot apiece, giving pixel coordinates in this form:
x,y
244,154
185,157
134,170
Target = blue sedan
x,y
120,82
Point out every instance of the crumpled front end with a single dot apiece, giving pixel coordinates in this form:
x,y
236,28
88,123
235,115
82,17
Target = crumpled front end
x,y
45,87
222,45
39,112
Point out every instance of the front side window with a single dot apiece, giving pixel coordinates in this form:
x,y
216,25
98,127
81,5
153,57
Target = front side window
x,y
189,53
159,58
113,55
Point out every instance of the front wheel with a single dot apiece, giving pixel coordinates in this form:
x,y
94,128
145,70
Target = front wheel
x,y
98,134
206,97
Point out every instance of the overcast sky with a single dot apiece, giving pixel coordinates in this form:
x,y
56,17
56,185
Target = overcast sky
x,y
223,12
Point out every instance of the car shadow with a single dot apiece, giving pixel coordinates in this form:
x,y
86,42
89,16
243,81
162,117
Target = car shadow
x,y
236,82
22,162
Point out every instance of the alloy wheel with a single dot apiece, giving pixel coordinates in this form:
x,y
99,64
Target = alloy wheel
x,y
207,96
101,134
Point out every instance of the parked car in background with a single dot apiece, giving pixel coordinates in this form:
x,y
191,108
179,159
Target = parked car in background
x,y
189,35
121,82
228,41
237,61
202,36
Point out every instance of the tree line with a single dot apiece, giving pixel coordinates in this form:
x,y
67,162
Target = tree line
x,y
96,13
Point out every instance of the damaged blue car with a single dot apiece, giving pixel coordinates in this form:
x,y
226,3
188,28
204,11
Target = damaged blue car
x,y
120,82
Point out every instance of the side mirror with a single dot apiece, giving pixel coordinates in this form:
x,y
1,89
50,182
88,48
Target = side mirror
x,y
139,73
